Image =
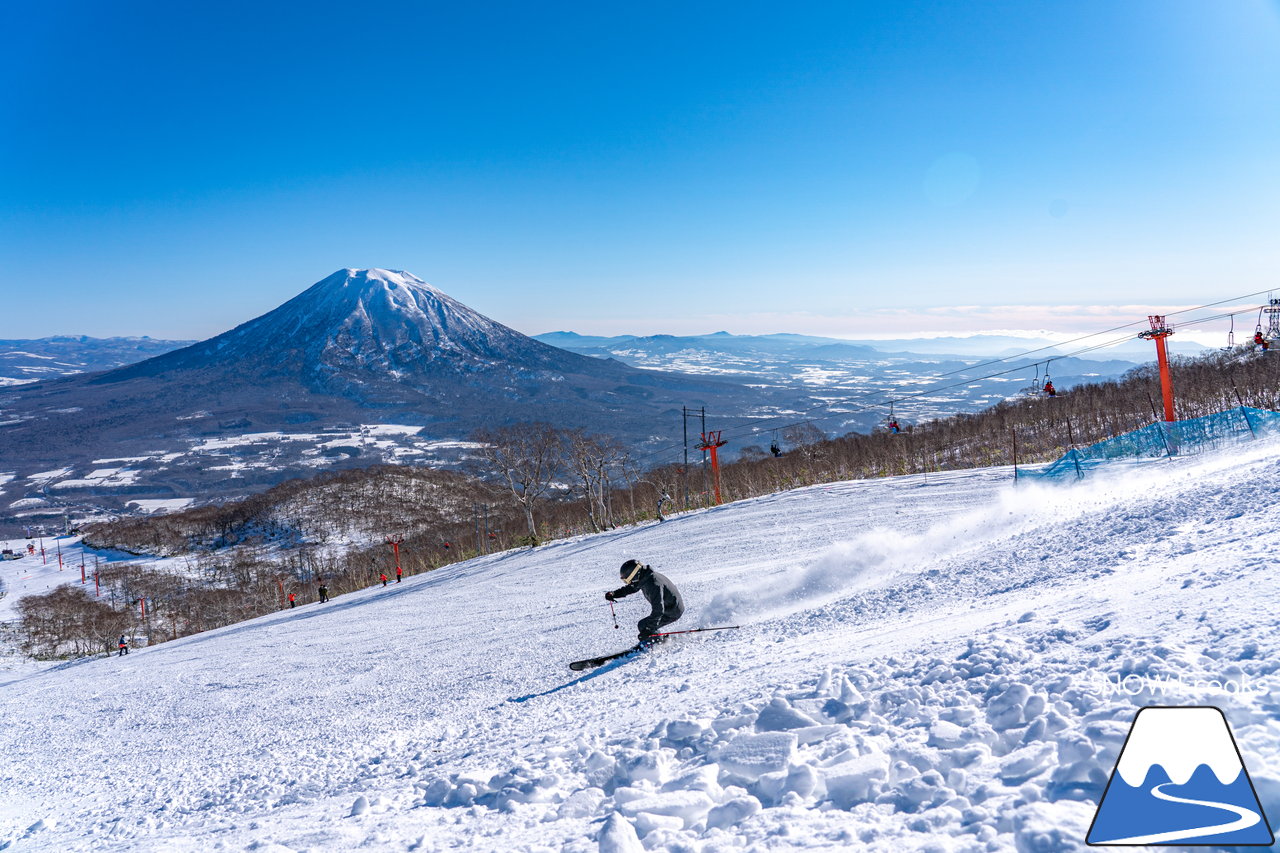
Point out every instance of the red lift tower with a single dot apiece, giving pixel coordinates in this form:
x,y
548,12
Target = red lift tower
x,y
395,547
1158,332
711,441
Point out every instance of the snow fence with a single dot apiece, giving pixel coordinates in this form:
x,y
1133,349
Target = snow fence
x,y
1163,439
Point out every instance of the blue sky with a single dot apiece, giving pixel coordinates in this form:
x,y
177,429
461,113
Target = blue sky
x,y
841,168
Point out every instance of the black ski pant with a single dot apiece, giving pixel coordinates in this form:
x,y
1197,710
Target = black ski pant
x,y
651,623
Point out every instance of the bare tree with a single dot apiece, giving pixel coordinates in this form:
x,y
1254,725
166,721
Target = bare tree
x,y
592,459
67,621
527,458
807,439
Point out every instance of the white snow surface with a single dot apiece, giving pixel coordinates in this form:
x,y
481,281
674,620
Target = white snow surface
x,y
939,663
161,505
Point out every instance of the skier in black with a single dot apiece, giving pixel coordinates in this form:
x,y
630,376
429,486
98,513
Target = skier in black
x,y
664,599
123,645
324,593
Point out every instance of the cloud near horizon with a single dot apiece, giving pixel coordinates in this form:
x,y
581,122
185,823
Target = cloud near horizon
x,y
939,321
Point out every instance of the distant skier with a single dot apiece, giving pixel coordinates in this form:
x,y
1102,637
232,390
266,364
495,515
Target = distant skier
x,y
324,593
123,645
293,600
664,599
662,498
399,573
31,550
383,577
1049,390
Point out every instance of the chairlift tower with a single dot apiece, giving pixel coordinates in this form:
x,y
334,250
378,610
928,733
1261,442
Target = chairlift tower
x,y
395,548
711,441
1273,319
1158,332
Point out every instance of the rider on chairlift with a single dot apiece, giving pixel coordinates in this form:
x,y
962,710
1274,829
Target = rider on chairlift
x,y
891,422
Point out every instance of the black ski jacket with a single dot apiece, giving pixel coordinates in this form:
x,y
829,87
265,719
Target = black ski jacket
x,y
662,594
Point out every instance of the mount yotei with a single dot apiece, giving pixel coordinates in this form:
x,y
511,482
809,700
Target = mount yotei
x,y
365,366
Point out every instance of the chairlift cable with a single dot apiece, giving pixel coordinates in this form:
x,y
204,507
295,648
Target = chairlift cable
x,y
734,432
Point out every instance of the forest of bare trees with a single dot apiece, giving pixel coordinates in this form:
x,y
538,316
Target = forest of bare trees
x,y
535,482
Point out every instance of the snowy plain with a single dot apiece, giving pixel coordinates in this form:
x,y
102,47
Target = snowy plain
x,y
934,663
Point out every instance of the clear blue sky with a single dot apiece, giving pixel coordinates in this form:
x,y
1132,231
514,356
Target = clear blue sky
x,y
173,169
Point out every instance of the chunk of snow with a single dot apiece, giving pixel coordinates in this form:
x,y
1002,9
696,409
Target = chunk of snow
x,y
749,755
618,836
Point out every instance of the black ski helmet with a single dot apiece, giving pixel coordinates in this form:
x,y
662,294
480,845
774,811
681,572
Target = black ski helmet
x,y
629,570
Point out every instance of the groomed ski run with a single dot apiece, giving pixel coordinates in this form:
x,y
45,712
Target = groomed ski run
x,y
927,664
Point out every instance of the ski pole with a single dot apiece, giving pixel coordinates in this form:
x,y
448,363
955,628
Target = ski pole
x,y
615,615
695,630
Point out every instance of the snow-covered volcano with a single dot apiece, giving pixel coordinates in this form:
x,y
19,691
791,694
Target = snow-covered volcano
x,y
386,322
360,346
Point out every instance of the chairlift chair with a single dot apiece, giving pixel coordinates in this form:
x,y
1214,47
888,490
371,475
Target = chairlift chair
x,y
892,423
1032,390
1048,390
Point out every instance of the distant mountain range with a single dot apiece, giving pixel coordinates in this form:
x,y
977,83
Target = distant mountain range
x,y
856,379
23,361
981,346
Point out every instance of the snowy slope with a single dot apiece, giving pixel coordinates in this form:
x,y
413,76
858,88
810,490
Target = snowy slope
x,y
925,667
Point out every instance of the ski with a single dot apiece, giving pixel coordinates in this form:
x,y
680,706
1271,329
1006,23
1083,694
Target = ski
x,y
592,663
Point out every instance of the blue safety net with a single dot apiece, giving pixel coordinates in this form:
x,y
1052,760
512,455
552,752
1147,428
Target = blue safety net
x,y
1160,439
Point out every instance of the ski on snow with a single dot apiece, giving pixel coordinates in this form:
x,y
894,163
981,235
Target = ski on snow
x,y
591,663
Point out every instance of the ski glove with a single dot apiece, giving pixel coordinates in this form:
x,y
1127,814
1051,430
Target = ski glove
x,y
608,596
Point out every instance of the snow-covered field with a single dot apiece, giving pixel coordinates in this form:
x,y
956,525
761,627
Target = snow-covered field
x,y
88,491
926,664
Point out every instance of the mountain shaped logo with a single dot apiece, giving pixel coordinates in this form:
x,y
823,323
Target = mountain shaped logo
x,y
1180,780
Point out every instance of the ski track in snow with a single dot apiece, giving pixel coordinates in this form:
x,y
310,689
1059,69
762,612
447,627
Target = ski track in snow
x,y
915,674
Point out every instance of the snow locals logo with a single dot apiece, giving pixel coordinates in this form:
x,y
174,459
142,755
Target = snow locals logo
x,y
1167,684
1180,780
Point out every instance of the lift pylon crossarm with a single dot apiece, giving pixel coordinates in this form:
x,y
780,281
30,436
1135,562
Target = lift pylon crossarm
x,y
1273,319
